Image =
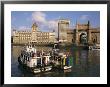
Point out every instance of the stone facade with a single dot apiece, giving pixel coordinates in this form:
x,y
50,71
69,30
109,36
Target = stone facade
x,y
70,36
82,34
63,26
86,34
33,36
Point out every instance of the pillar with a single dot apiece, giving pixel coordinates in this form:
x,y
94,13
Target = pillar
x,y
77,38
89,33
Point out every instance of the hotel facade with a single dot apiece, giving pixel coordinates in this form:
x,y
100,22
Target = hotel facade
x,y
34,36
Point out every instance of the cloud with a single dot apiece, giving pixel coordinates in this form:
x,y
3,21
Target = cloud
x,y
84,17
43,23
24,28
39,17
53,24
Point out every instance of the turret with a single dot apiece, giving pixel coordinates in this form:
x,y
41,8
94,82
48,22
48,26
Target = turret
x,y
34,27
88,24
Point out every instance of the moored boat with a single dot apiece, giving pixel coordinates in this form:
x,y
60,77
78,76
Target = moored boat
x,y
62,61
34,60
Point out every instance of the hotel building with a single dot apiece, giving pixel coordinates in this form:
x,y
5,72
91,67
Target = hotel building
x,y
34,36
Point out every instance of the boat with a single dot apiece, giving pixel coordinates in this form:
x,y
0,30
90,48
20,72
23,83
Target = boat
x,y
56,47
66,62
67,67
62,61
94,47
67,70
35,61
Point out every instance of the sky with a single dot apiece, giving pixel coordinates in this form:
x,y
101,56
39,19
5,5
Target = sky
x,y
48,20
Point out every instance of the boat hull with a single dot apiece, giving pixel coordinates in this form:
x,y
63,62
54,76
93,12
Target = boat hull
x,y
36,70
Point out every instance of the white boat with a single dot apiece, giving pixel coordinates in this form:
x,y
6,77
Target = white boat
x,y
35,61
56,47
48,68
94,48
36,70
67,67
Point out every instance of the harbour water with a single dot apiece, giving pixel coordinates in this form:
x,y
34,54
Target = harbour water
x,y
86,63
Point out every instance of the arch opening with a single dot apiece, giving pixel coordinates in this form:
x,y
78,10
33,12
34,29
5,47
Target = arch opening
x,y
83,39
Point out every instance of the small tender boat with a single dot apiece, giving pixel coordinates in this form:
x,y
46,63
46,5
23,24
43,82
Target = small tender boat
x,y
94,48
67,67
36,70
48,68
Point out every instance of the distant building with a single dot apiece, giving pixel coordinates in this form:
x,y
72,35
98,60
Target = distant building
x,y
34,36
63,26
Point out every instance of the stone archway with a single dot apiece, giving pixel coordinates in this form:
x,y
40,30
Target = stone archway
x,y
83,38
